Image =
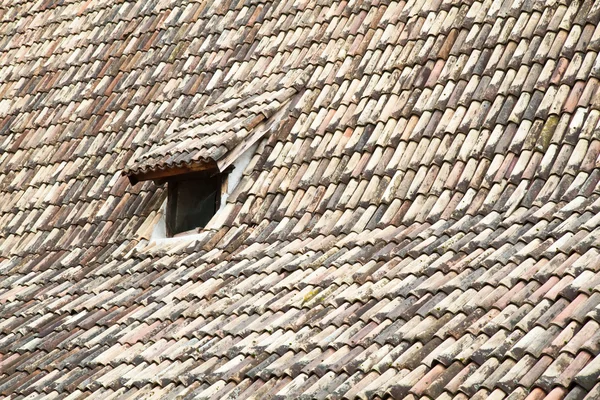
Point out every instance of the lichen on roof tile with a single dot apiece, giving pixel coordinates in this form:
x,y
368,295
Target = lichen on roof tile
x,y
417,219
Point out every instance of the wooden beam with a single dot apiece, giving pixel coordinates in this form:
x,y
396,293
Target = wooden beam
x,y
170,172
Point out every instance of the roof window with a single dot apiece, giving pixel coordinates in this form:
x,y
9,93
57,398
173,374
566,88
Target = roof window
x,y
192,201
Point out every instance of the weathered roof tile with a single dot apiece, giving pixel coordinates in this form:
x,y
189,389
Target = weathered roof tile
x,y
418,218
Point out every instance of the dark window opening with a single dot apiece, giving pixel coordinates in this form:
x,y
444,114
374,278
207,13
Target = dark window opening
x,y
192,202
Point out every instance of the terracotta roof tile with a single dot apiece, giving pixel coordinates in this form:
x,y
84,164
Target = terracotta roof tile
x,y
417,219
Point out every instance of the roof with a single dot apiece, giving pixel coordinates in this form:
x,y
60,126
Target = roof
x,y
422,225
219,134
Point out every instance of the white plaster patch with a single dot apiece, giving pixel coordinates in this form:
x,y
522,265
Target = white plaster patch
x,y
234,178
160,229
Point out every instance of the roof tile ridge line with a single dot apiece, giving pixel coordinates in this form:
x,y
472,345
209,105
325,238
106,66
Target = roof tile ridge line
x,y
255,134
228,160
241,99
298,87
215,106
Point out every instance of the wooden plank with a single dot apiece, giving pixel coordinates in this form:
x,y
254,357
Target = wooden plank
x,y
170,172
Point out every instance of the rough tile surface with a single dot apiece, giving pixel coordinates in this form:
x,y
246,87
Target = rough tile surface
x,y
420,218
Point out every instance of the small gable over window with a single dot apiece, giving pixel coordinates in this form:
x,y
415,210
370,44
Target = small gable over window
x,y
195,158
218,136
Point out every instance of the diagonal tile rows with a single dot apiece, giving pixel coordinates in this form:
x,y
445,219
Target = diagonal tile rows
x,y
424,227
